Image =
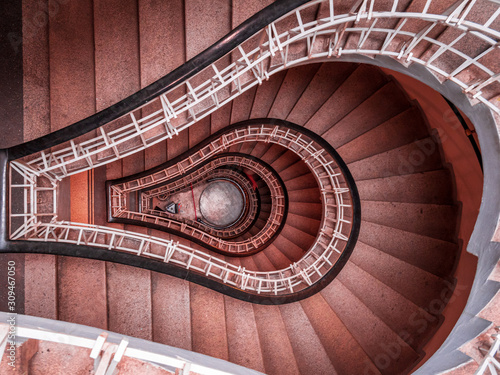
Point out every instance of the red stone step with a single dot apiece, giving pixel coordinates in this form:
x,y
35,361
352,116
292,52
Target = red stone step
x,y
431,220
171,311
408,125
384,347
209,335
295,82
40,285
309,353
265,95
433,255
327,79
411,323
384,104
344,351
429,187
417,285
420,156
357,87
242,335
278,356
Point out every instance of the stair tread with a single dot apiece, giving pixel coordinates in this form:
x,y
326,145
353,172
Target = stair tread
x,y
359,86
242,335
326,80
274,341
129,309
433,255
295,82
171,312
409,126
265,95
416,157
418,286
209,335
344,351
384,104
310,354
432,187
369,330
411,323
430,220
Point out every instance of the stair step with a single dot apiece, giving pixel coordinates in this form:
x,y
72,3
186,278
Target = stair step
x,y
431,220
302,182
295,82
296,170
305,195
285,161
415,284
209,335
433,255
309,210
359,86
242,334
129,300
263,263
408,125
273,153
276,257
293,242
279,358
79,281
344,351
327,79
265,95
304,224
40,284
171,311
429,187
384,104
309,353
412,324
385,348
420,156
242,105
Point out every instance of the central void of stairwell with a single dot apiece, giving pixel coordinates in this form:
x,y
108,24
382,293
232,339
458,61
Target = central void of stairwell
x,y
221,203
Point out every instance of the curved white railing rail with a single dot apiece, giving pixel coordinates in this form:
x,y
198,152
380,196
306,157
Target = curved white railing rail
x,y
333,236
286,42
108,354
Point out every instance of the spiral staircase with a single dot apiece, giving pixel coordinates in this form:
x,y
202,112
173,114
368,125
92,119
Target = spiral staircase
x,y
289,305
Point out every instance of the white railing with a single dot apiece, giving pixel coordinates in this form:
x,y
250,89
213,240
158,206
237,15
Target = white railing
x,y
107,355
334,232
491,360
286,42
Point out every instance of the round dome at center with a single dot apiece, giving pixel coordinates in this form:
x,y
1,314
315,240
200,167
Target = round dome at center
x,y
221,203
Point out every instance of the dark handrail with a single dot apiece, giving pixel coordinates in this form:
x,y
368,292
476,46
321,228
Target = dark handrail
x,y
468,132
213,53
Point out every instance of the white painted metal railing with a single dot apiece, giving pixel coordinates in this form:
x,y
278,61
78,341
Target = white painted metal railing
x,y
291,41
334,232
107,355
491,360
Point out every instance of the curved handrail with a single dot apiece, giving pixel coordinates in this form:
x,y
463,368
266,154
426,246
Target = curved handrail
x,y
332,247
207,238
201,61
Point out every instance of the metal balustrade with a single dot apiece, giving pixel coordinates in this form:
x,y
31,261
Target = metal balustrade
x,y
491,361
107,349
336,227
283,43
274,49
248,216
212,237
